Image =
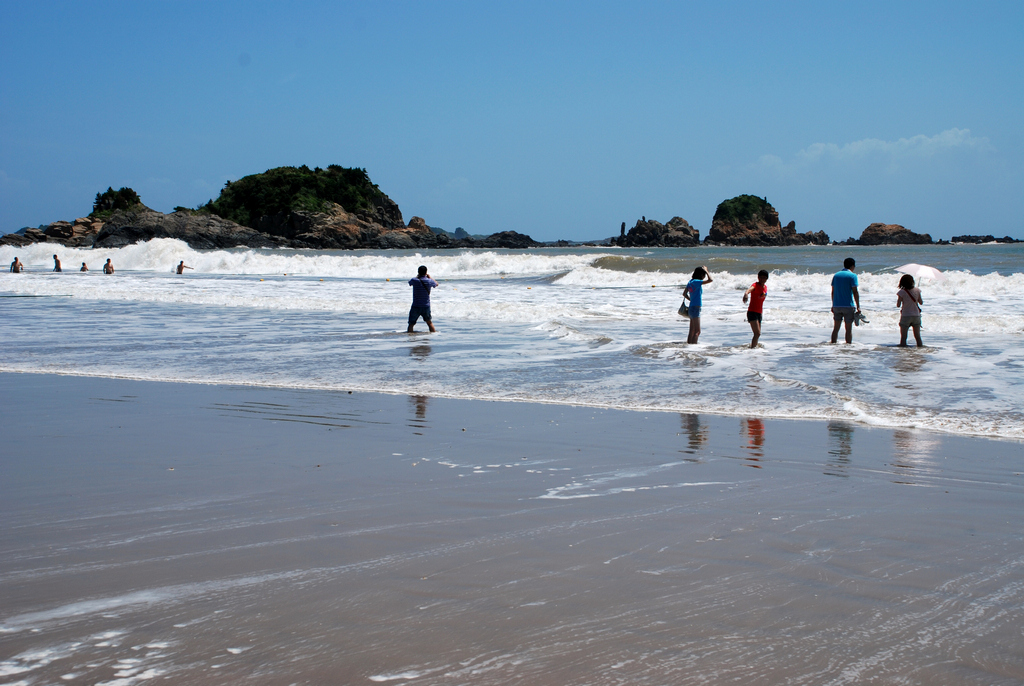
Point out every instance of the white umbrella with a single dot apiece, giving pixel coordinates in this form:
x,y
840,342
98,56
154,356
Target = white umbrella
x,y
921,271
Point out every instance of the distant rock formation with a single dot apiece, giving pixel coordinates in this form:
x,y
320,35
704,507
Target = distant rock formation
x,y
335,229
890,234
749,220
977,240
649,233
77,234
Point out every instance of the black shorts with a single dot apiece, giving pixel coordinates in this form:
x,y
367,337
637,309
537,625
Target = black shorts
x,y
753,316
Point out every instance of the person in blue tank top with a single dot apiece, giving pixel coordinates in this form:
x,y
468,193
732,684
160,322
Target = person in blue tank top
x,y
845,299
694,293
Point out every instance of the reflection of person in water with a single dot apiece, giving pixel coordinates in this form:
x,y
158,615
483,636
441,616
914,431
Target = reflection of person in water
x,y
420,405
697,434
840,438
753,428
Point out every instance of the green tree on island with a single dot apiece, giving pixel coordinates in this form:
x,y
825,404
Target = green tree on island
x,y
284,189
110,200
743,208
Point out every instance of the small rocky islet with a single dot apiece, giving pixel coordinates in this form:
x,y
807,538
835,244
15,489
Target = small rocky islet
x,y
339,208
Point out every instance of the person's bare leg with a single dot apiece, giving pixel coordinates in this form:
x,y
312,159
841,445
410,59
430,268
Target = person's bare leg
x,y
756,328
917,336
430,325
849,332
835,330
903,337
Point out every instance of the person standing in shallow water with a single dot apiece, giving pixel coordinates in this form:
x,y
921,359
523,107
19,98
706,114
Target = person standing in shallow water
x,y
108,268
845,299
421,286
56,264
694,293
908,299
16,266
756,293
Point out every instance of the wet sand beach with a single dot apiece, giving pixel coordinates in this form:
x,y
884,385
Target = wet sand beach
x,y
172,533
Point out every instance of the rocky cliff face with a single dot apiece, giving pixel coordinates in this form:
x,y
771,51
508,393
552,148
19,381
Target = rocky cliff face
x,y
751,221
890,234
677,233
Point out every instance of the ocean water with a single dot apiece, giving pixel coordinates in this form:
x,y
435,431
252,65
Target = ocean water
x,y
580,326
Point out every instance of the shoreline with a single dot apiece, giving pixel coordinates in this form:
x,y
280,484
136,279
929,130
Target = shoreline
x,y
527,401
215,534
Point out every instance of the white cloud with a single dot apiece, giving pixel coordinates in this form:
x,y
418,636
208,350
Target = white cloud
x,y
888,154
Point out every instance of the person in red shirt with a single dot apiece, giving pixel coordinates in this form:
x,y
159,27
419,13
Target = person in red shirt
x,y
756,293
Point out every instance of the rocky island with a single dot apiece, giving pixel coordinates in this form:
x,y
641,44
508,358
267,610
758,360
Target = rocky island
x,y
340,208
290,207
889,234
751,221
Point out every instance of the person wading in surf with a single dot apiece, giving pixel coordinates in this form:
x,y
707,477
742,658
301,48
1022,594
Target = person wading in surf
x,y
421,286
695,294
756,293
845,299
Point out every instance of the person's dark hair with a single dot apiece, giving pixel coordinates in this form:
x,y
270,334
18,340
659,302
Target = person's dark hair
x,y
422,270
763,272
849,263
699,273
906,281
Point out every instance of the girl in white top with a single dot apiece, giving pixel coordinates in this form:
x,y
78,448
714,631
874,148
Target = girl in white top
x,y
908,299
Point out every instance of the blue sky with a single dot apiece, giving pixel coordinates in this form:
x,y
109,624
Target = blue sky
x,y
555,119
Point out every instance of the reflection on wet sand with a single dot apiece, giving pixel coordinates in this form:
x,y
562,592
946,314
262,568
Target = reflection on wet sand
x,y
697,434
513,544
840,447
419,404
753,430
913,452
420,352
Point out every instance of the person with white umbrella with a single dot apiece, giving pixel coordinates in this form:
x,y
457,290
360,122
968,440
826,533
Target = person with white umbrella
x,y
908,299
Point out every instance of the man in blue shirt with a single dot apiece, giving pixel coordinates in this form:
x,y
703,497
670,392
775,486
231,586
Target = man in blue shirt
x,y
845,299
421,286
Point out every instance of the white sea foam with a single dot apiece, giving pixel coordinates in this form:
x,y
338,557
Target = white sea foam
x,y
561,326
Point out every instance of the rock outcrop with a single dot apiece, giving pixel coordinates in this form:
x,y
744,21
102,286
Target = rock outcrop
x,y
335,229
977,240
502,239
200,230
890,234
750,221
81,233
677,233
